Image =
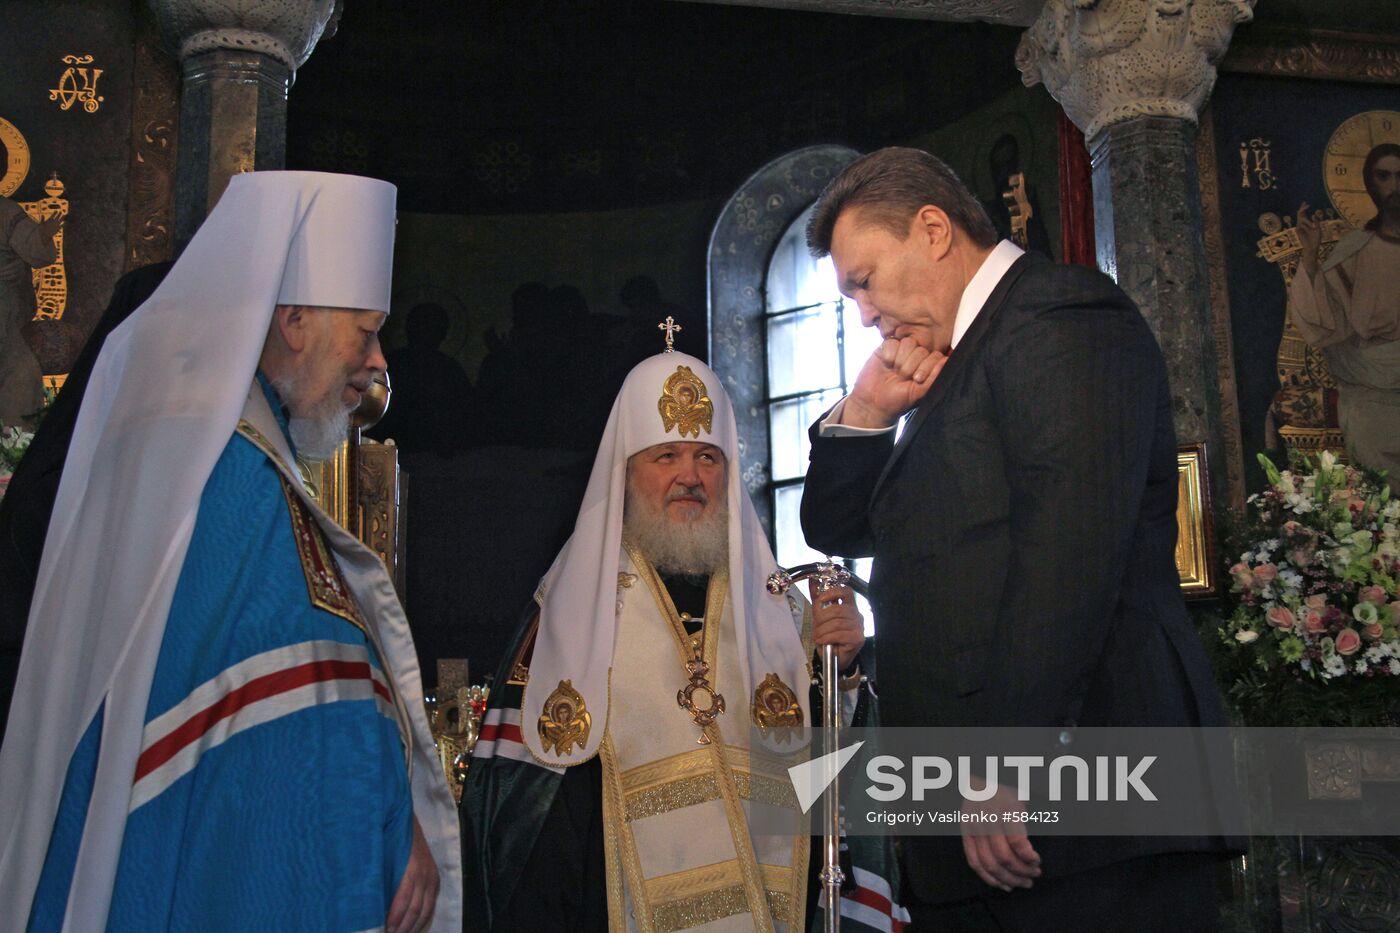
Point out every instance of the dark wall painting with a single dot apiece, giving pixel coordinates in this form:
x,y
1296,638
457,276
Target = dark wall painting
x,y
65,125
1015,134
1271,139
541,107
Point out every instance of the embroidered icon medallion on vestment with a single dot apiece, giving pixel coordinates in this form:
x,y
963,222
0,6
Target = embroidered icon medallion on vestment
x,y
565,720
684,403
775,705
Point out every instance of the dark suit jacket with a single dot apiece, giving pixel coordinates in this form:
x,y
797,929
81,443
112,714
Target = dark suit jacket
x,y
1024,531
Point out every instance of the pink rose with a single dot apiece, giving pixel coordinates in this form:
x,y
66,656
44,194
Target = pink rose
x,y
1372,594
1348,642
1280,617
1300,557
1290,528
1373,631
1316,601
1265,573
1314,622
1242,574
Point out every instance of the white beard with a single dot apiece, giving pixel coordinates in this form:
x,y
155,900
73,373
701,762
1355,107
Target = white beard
x,y
317,432
694,548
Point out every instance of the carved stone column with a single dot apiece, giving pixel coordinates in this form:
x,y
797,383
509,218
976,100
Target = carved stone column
x,y
238,57
1133,75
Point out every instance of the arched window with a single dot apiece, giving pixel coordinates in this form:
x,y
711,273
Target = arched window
x,y
815,347
782,340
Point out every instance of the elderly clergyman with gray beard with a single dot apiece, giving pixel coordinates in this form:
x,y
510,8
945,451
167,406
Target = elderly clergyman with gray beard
x,y
617,767
218,720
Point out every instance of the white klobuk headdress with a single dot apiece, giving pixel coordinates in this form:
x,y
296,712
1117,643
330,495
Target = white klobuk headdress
x,y
163,400
666,398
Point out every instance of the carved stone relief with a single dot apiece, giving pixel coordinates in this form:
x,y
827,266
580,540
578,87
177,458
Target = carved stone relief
x,y
1336,56
1011,12
284,30
1107,61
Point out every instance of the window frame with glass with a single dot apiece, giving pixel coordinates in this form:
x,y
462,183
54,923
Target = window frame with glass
x,y
814,346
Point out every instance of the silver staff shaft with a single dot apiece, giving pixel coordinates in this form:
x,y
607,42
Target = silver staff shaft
x,y
828,574
831,875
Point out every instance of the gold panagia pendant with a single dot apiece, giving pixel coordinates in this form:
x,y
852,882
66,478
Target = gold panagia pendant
x,y
775,705
685,697
565,720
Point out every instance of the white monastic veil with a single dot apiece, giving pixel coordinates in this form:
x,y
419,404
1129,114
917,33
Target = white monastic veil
x,y
578,614
163,399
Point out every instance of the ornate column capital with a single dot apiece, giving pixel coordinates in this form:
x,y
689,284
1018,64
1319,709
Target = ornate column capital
x,y
283,30
1107,61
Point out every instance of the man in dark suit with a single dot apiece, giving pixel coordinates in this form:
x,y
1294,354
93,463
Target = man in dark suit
x,y
1023,529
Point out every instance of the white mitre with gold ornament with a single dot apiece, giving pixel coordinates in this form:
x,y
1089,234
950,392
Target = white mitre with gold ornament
x,y
666,398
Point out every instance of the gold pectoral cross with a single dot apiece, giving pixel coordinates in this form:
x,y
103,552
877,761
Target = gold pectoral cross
x,y
699,673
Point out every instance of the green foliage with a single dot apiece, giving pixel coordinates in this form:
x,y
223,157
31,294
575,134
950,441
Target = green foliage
x,y
13,443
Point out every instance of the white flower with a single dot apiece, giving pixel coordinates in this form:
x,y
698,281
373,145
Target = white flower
x,y
1359,666
1334,666
1394,667
1374,654
1291,578
1245,636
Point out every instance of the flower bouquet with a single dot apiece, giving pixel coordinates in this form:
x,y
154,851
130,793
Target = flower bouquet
x,y
1314,635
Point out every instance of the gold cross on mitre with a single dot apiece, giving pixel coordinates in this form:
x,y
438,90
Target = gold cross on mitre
x,y
671,328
